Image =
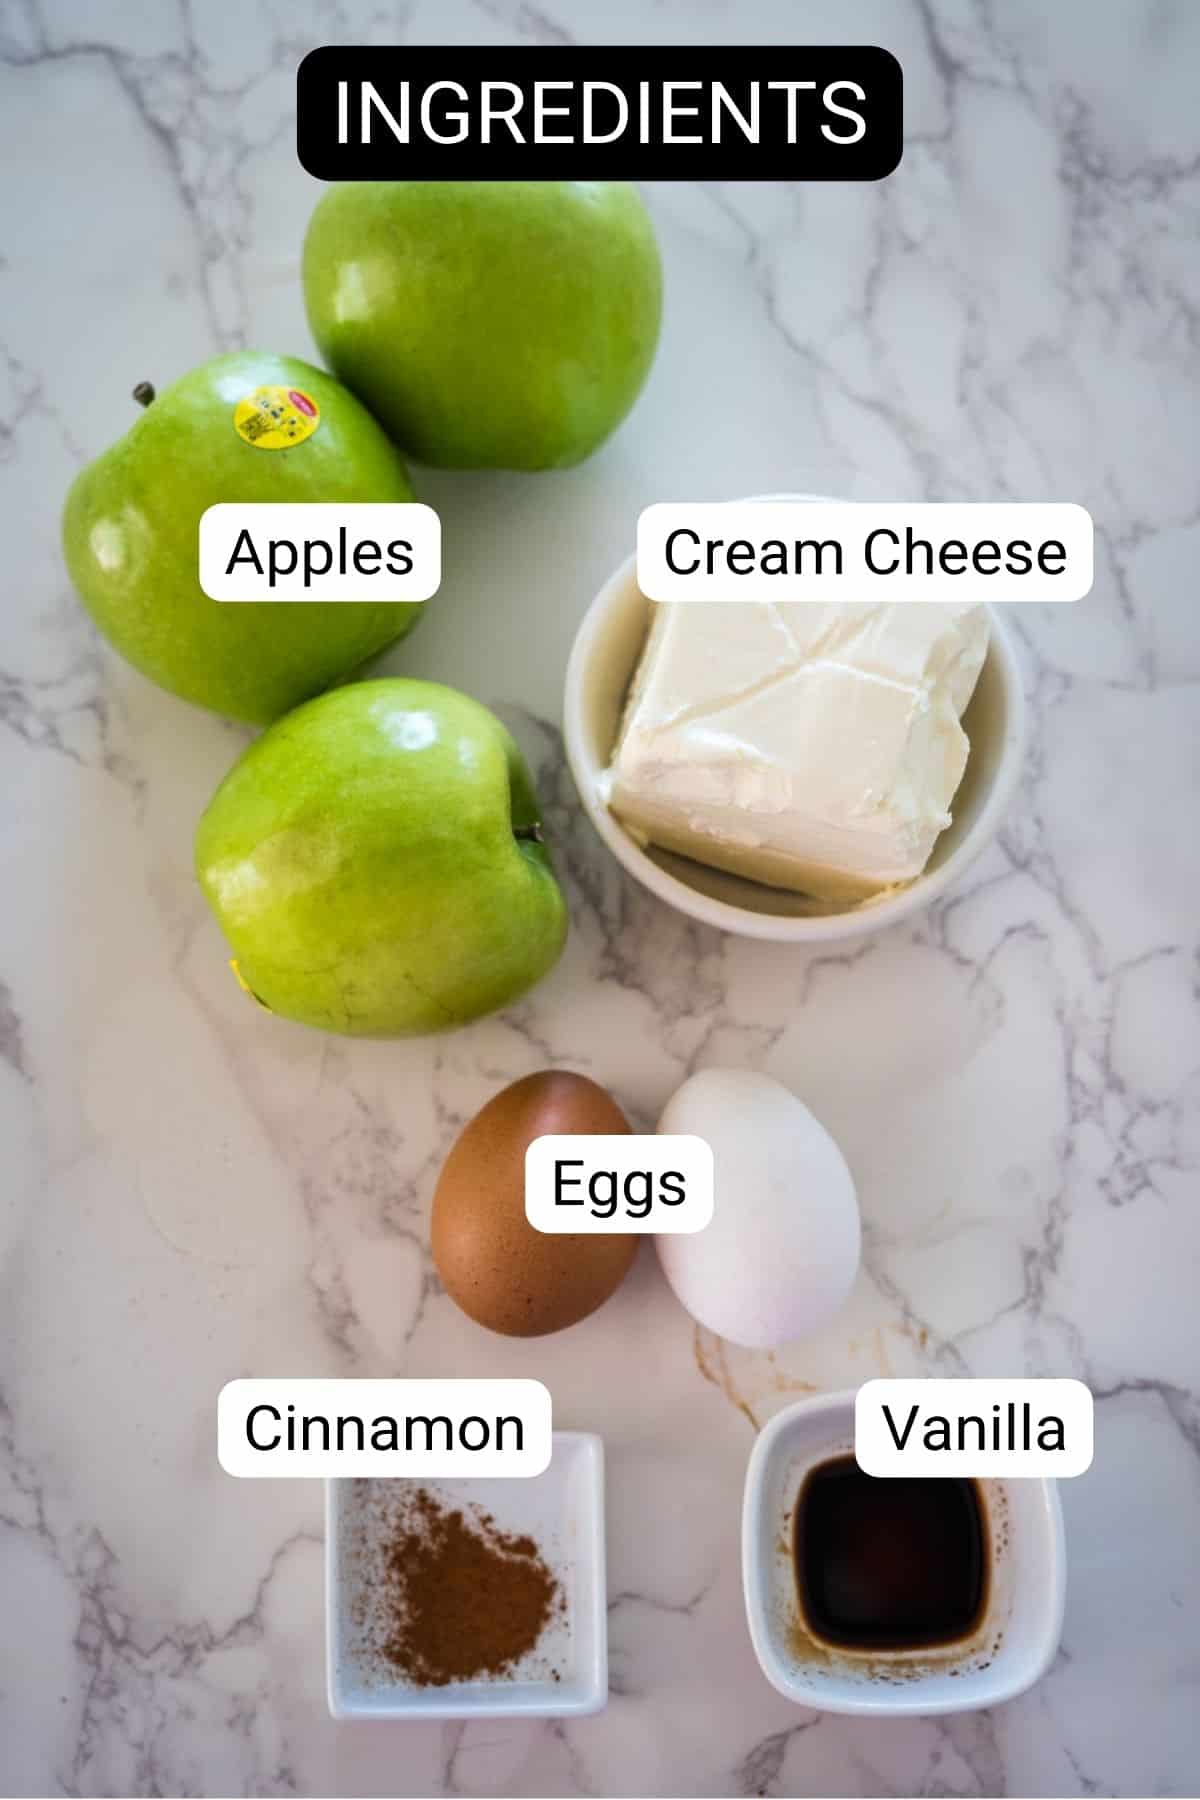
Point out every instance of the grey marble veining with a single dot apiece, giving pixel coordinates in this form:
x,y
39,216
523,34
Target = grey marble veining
x,y
194,1191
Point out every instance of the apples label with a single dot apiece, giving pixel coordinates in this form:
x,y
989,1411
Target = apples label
x,y
276,418
596,1182
324,550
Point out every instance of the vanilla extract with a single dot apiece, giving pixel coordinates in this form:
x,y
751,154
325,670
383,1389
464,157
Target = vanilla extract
x,y
889,1564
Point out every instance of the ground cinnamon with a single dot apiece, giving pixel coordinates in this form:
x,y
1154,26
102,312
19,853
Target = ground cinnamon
x,y
452,1596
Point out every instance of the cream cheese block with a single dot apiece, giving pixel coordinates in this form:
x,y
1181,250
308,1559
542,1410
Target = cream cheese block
x,y
812,747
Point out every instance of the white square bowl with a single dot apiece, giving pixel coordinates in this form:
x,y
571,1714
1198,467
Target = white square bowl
x,y
563,1511
604,657
1016,1638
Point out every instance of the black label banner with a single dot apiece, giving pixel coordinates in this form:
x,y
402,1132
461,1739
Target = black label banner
x,y
773,113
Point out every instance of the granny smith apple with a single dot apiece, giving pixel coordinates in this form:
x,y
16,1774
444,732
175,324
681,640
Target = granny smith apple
x,y
376,863
132,517
488,324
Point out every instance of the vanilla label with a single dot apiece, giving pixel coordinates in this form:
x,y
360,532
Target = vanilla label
x,y
973,1427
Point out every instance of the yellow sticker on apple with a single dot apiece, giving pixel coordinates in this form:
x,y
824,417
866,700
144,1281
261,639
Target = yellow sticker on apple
x,y
276,418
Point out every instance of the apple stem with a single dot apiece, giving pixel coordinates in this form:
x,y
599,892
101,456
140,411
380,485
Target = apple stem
x,y
528,834
143,393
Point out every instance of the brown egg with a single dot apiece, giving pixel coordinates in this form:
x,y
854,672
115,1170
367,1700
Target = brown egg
x,y
501,1271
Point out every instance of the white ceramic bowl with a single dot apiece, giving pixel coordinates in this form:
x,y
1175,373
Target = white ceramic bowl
x,y
601,666
563,1510
1017,1637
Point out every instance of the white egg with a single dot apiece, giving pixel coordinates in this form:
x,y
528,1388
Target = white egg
x,y
781,1252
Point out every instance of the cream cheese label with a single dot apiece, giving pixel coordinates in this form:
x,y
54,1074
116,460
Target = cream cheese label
x,y
796,547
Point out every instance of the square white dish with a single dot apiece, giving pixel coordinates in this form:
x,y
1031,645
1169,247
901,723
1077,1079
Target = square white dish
x,y
1013,1645
604,657
563,1511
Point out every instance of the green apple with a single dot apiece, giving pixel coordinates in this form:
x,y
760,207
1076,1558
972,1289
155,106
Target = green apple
x,y
488,324
376,863
132,517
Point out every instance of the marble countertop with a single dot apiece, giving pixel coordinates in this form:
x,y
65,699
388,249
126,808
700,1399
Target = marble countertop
x,y
194,1191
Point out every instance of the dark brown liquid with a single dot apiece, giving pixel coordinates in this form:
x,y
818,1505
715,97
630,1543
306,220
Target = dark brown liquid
x,y
899,1564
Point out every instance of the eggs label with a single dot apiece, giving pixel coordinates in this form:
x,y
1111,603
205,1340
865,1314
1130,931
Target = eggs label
x,y
624,1184
322,1428
968,1426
